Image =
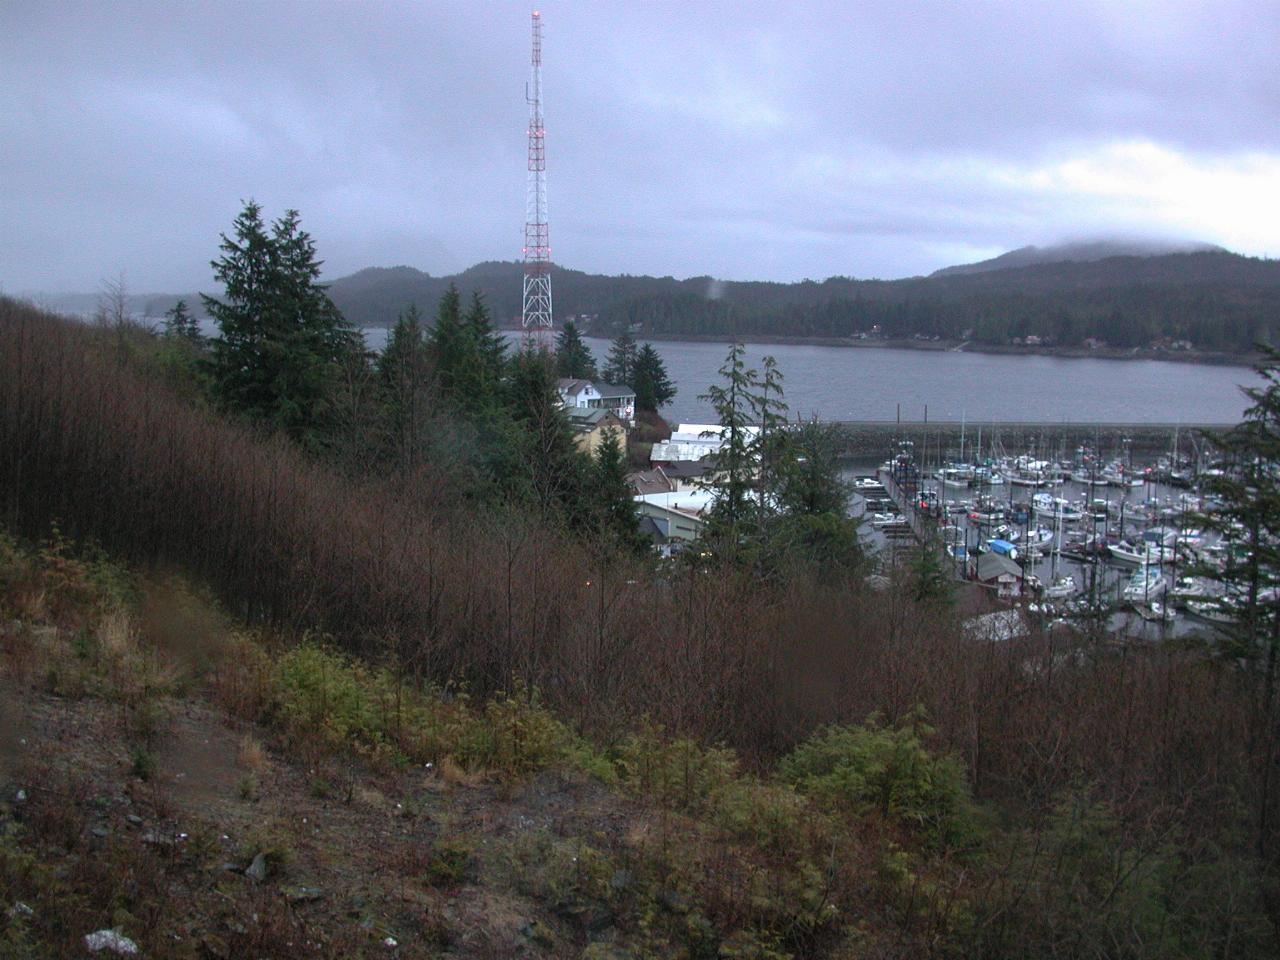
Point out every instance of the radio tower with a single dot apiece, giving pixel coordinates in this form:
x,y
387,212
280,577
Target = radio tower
x,y
536,312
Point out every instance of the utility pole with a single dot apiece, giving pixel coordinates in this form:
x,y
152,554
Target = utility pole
x,y
536,316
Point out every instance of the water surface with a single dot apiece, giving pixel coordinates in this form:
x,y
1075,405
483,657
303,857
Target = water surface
x,y
852,383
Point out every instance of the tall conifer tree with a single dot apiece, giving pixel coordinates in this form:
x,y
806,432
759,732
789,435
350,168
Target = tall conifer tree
x,y
281,342
620,367
650,381
573,357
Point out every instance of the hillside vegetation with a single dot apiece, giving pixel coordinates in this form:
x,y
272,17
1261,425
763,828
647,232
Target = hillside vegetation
x,y
627,759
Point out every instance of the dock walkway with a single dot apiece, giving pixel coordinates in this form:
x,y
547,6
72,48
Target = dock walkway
x,y
918,522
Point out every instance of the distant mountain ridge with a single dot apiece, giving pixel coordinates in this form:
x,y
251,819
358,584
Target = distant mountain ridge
x,y
1124,294
1087,251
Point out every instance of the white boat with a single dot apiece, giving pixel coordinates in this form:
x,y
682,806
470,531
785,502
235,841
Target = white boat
x,y
1191,538
1062,588
1155,610
1190,588
1146,584
1142,552
1037,537
1047,506
1220,610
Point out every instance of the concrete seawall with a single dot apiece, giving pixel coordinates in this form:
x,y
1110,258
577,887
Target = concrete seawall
x,y
875,440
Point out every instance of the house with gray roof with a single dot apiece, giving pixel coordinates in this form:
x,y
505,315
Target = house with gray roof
x,y
589,395
997,572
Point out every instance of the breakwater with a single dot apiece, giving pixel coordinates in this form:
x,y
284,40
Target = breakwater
x,y
871,441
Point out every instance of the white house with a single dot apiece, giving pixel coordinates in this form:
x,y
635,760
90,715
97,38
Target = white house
x,y
621,400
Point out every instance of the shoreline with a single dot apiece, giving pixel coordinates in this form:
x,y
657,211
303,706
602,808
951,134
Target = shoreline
x,y
966,346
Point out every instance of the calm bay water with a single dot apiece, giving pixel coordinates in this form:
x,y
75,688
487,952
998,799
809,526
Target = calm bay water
x,y
850,383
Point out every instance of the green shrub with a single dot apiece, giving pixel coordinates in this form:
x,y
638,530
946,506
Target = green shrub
x,y
323,694
860,769
447,864
678,773
515,735
326,696
142,763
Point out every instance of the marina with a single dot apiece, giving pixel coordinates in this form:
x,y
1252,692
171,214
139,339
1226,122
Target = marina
x,y
1107,541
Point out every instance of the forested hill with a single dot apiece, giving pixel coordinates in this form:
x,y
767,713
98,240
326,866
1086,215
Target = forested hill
x,y
1083,252
1214,299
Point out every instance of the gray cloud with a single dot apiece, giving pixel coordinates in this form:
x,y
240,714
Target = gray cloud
x,y
740,140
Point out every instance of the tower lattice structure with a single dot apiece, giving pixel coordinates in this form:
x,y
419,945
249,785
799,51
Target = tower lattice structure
x,y
536,315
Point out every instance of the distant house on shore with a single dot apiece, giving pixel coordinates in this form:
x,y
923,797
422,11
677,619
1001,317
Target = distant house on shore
x,y
591,425
587,395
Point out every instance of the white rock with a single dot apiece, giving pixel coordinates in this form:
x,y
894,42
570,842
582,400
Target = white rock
x,y
111,940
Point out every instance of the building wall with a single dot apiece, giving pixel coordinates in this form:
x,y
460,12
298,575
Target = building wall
x,y
675,525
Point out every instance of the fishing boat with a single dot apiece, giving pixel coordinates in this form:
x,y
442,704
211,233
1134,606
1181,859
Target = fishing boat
x,y
1047,506
1189,588
1147,582
1220,611
1141,552
1038,536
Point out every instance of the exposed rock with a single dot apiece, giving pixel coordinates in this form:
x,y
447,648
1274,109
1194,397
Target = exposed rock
x,y
302,894
258,869
621,880
134,819
112,941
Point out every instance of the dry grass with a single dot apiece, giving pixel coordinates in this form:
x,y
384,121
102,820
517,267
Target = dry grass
x,y
252,755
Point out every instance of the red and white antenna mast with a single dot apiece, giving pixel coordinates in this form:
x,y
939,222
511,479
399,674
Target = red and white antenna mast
x,y
536,312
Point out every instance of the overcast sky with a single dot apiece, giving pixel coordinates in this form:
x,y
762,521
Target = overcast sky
x,y
743,140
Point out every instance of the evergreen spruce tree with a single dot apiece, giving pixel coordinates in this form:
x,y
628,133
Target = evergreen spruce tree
x,y
620,367
490,347
573,356
733,512
553,468
650,381
612,495
281,345
451,348
1249,518
770,413
808,480
404,373
180,324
